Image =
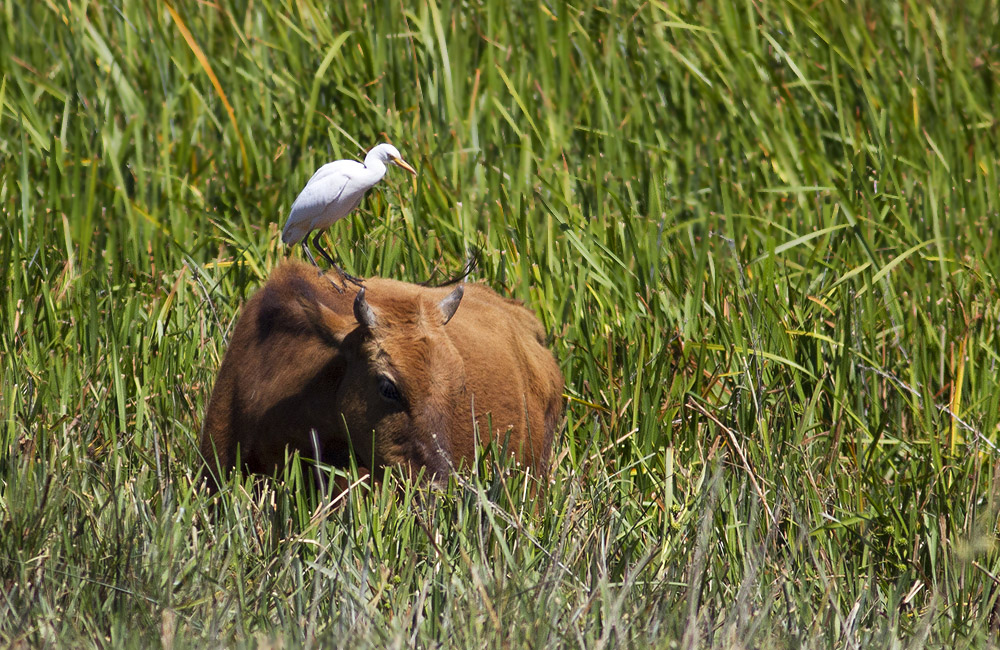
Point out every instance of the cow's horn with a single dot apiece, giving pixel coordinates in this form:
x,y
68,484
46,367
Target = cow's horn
x,y
363,311
449,305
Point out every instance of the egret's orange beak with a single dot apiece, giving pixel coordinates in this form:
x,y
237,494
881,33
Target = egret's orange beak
x,y
405,165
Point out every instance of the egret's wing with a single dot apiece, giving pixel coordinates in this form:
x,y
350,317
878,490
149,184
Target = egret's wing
x,y
321,201
341,166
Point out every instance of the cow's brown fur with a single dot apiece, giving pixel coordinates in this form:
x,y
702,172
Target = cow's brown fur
x,y
299,360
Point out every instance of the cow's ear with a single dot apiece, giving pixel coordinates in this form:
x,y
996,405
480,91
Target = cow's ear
x,y
449,305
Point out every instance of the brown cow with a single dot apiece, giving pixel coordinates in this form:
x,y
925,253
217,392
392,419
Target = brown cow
x,y
402,374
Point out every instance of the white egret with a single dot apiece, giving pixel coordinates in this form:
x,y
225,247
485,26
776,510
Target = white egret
x,y
332,193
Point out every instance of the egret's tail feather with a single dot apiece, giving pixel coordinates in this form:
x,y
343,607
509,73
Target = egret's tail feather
x,y
293,233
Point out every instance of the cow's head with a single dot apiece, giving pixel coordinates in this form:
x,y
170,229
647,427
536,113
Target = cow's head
x,y
402,379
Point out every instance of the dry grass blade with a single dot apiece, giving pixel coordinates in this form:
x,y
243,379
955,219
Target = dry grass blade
x,y
206,65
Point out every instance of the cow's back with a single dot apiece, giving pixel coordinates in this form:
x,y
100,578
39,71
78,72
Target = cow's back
x,y
261,402
513,379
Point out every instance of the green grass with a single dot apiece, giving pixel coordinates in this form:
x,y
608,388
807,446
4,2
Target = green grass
x,y
761,234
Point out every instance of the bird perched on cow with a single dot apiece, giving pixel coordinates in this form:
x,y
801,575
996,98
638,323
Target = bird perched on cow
x,y
332,193
399,373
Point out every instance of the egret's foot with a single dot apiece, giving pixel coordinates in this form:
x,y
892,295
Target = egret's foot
x,y
350,278
339,287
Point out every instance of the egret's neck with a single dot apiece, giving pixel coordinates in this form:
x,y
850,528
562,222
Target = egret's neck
x,y
375,166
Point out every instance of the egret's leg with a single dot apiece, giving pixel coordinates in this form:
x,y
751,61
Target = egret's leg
x,y
347,276
305,247
316,243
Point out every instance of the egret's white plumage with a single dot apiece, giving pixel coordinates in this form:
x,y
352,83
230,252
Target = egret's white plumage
x,y
333,192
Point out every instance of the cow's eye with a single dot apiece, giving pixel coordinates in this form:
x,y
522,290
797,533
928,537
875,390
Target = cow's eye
x,y
387,388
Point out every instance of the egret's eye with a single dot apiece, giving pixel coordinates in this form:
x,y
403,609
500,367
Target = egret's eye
x,y
387,388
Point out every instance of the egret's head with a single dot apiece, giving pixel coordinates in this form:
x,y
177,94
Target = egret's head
x,y
390,154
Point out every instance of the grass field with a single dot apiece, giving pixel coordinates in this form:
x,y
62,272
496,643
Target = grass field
x,y
762,235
